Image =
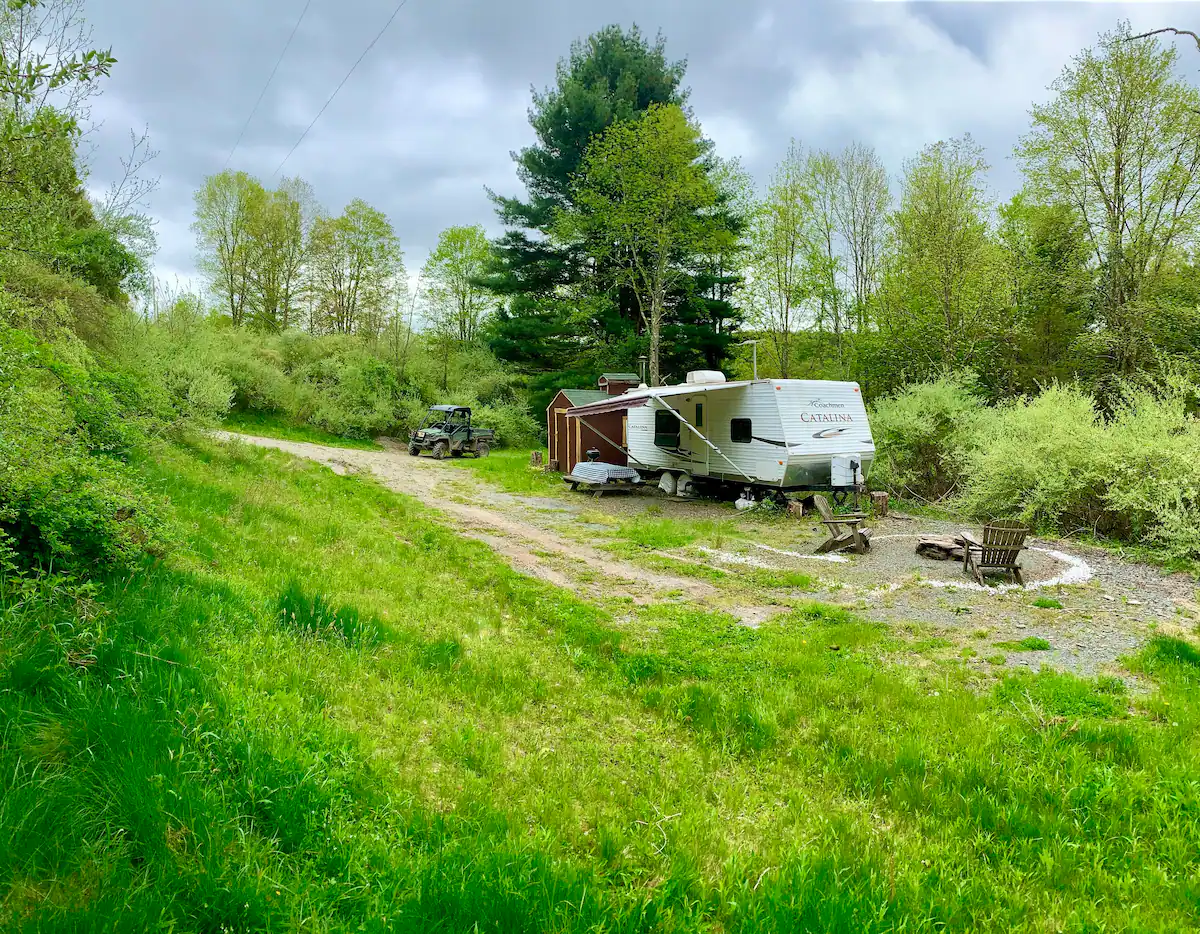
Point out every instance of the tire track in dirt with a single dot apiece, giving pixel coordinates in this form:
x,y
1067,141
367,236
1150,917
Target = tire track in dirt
x,y
528,548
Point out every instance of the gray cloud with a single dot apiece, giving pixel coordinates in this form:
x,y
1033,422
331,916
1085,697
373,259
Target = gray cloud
x,y
430,117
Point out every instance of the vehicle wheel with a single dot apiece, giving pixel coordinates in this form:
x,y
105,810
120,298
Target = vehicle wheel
x,y
439,450
413,450
482,449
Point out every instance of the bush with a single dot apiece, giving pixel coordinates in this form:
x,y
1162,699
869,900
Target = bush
x,y
45,302
1043,459
1153,458
68,499
922,436
1054,461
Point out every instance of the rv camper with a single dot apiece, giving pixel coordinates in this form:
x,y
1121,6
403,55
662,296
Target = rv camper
x,y
778,435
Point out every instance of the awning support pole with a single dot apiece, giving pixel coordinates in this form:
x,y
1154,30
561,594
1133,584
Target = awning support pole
x,y
697,433
591,427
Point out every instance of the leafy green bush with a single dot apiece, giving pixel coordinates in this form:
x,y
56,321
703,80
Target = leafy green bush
x,y
923,435
67,496
1044,459
179,358
1054,461
1153,459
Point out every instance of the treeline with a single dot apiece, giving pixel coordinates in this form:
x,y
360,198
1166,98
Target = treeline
x,y
275,260
310,317
1086,275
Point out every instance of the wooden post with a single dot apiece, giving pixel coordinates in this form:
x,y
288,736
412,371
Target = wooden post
x,y
536,459
879,504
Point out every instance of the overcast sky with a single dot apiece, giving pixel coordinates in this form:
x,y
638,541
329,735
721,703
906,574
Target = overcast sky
x,y
431,115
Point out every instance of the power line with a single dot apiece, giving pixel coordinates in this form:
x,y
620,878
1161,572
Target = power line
x,y
370,46
253,110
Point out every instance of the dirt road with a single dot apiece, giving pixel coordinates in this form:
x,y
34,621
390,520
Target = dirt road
x,y
527,546
1105,610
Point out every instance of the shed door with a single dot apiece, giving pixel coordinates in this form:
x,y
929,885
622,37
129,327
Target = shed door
x,y
560,432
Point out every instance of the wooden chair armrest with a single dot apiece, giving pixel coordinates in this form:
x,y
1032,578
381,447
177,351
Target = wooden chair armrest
x,y
971,539
854,522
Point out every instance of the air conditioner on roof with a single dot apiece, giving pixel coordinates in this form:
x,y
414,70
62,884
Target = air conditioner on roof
x,y
705,376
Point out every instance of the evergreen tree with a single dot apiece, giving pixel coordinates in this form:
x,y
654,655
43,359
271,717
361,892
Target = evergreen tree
x,y
612,76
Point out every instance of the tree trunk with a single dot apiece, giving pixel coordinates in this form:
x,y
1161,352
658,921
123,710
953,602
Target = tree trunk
x,y
656,314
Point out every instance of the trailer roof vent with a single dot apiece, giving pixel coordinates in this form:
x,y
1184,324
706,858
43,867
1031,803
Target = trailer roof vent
x,y
696,377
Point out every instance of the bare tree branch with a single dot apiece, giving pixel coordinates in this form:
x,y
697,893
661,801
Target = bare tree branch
x,y
1178,32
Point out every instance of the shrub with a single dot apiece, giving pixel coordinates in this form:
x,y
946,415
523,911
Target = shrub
x,y
1055,462
180,361
67,497
923,435
1043,459
513,424
1153,459
43,302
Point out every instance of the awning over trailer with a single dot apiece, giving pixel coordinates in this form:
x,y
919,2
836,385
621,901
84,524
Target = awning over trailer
x,y
639,397
614,404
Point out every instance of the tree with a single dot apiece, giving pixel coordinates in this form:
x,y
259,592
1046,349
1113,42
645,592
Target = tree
x,y
823,263
1052,291
612,76
861,209
47,64
945,284
356,269
453,272
1120,145
647,208
226,206
278,230
779,242
122,212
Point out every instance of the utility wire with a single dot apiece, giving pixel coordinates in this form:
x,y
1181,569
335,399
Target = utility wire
x,y
253,110
367,50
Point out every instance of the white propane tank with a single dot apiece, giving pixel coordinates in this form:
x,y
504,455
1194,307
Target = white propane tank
x,y
845,470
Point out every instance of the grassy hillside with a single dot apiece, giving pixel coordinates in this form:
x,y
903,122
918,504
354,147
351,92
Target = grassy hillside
x,y
327,711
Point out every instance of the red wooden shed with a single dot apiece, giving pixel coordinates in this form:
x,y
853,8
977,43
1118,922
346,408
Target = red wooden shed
x,y
569,440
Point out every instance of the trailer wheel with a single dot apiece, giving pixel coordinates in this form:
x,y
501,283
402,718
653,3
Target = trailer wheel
x,y
482,449
439,450
413,450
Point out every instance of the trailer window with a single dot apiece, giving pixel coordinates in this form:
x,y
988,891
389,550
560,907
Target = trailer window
x,y
666,429
699,414
740,430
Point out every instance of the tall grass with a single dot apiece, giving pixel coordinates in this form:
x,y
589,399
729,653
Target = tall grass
x,y
177,754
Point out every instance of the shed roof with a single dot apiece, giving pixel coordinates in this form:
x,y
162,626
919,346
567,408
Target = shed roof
x,y
621,377
584,396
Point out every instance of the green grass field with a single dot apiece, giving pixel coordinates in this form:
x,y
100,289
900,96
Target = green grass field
x,y
325,712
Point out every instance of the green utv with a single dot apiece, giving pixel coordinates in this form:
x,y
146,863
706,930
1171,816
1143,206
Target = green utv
x,y
448,430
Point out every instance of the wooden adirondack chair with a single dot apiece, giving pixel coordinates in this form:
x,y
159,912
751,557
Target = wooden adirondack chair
x,y
1002,542
845,531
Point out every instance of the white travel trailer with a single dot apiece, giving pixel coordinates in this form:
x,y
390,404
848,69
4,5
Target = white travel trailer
x,y
769,434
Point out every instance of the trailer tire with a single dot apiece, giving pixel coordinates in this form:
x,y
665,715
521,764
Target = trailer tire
x,y
439,450
482,449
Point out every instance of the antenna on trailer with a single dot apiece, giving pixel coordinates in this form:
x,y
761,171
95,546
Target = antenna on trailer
x,y
753,344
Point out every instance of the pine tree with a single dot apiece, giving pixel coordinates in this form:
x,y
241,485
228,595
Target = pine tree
x,y
613,75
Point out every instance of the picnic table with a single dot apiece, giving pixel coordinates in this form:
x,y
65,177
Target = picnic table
x,y
599,478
